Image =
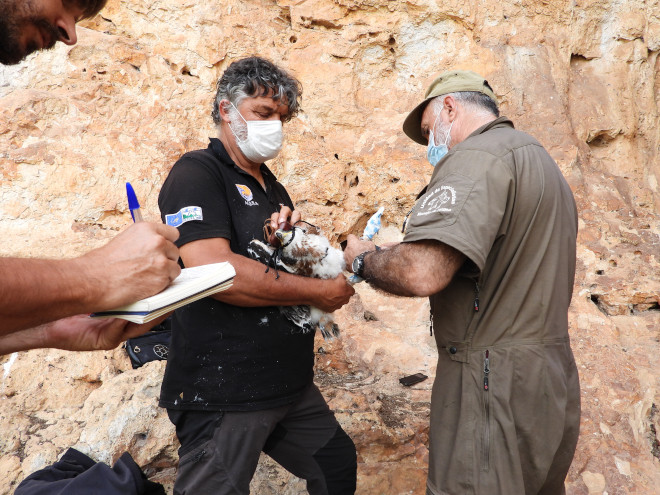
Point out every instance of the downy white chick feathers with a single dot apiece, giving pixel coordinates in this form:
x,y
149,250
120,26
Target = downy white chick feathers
x,y
308,255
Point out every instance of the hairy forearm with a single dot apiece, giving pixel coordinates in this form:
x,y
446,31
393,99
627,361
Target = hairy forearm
x,y
390,270
34,291
412,269
23,340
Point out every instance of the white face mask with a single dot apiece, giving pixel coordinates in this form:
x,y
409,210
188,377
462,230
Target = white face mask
x,y
263,141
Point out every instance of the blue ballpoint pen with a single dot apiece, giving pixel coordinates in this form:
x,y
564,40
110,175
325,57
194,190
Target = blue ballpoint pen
x,y
133,204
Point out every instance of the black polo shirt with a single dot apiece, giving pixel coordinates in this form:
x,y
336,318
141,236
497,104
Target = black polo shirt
x,y
225,357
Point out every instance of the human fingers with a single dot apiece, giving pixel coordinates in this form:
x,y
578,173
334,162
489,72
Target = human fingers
x,y
274,220
110,332
339,293
157,239
349,290
82,333
168,232
113,331
283,216
134,329
137,263
353,248
156,231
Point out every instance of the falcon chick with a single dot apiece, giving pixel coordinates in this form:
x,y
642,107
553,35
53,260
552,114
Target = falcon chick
x,y
308,255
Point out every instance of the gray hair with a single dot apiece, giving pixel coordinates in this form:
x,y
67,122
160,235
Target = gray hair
x,y
476,101
255,76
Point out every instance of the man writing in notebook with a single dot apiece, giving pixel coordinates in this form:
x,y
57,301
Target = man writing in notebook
x,y
239,376
43,302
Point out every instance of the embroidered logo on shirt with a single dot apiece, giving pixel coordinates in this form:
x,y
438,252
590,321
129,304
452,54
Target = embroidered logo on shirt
x,y
247,195
441,199
185,214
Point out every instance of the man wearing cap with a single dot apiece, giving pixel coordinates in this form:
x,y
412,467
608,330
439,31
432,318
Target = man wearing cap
x,y
491,240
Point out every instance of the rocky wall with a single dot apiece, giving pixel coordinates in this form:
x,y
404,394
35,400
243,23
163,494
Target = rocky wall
x,y
136,92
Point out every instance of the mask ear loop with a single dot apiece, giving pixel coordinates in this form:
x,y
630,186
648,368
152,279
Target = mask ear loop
x,y
435,122
448,138
243,118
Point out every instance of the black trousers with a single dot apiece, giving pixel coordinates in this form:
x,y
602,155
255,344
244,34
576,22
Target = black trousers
x,y
220,449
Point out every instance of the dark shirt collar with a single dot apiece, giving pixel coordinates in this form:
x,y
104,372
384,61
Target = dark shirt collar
x,y
219,149
493,124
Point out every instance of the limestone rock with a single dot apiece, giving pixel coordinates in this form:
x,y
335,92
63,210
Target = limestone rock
x,y
136,92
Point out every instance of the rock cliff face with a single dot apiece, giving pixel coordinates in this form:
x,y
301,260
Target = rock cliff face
x,y
135,93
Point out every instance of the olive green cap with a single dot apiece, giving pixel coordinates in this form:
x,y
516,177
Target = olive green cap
x,y
447,82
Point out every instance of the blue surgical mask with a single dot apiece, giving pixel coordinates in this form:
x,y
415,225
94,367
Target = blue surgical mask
x,y
435,152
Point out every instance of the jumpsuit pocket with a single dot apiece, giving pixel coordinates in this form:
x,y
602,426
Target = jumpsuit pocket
x,y
485,440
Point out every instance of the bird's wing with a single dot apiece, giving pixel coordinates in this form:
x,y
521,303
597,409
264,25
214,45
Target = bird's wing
x,y
260,251
299,316
266,254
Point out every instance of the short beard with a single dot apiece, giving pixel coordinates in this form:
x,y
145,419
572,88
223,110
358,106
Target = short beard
x,y
10,46
10,52
443,135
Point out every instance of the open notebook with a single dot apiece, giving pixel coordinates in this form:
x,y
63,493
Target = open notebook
x,y
192,284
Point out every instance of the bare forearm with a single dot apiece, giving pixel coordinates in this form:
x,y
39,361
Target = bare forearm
x,y
75,333
35,291
412,269
391,270
254,287
139,262
23,340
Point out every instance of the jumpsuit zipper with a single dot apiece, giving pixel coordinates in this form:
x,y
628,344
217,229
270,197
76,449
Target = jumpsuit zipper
x,y
431,319
486,439
476,296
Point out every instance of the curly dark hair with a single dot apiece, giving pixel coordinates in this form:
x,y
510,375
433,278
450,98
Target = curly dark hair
x,y
256,76
89,7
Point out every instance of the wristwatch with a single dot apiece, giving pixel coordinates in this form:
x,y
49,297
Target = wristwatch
x,y
358,264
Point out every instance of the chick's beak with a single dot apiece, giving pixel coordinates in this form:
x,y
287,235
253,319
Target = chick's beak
x,y
282,235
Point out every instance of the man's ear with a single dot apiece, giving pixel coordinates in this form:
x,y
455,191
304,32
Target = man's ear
x,y
223,110
450,104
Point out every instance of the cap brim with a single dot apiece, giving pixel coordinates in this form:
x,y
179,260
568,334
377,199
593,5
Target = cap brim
x,y
412,126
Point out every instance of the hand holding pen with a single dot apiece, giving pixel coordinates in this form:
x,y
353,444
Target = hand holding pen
x,y
133,204
139,262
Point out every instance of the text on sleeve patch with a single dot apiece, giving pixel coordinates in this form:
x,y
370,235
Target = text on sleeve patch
x,y
185,214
